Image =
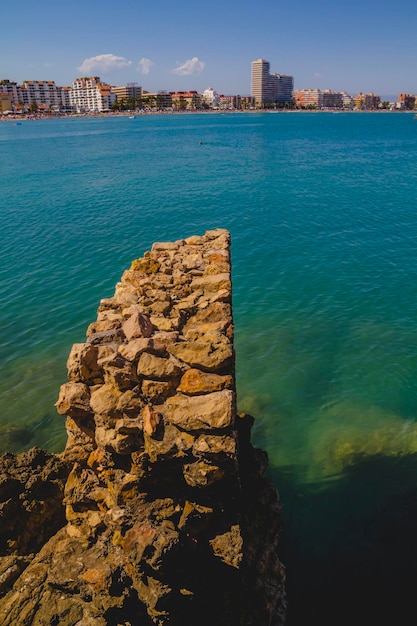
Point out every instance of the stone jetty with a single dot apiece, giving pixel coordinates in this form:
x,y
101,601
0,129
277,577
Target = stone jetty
x,y
158,510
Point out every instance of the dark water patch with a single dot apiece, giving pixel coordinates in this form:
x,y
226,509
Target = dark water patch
x,y
14,438
350,544
47,432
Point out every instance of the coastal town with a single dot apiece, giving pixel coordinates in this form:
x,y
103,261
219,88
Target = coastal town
x,y
269,91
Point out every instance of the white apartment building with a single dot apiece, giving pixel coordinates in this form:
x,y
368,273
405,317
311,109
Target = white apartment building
x,y
211,98
65,100
91,95
267,88
43,93
347,100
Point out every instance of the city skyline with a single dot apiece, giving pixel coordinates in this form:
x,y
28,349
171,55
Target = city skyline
x,y
181,46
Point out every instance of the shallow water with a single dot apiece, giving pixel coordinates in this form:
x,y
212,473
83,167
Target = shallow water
x,y
321,209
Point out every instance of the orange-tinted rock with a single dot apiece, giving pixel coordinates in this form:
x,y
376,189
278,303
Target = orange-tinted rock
x,y
208,412
74,400
105,400
151,420
212,354
82,364
155,367
145,265
194,382
138,325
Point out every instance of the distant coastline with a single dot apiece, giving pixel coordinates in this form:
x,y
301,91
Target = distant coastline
x,y
35,117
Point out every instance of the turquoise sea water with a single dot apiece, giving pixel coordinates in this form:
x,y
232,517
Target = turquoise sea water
x,y
322,213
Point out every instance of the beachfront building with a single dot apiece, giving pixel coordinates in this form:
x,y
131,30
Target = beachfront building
x,y
157,99
406,101
359,101
284,88
307,98
64,94
318,99
229,103
260,82
6,105
36,95
11,89
183,100
266,88
32,94
332,99
366,101
347,101
211,98
372,101
41,95
247,102
130,94
90,95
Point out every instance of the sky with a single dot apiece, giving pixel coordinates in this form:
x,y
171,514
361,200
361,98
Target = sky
x,y
359,45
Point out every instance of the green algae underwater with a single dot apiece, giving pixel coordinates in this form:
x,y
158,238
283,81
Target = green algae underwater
x,y
349,499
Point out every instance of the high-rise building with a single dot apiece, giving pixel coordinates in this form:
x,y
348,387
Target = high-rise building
x,y
267,88
260,82
284,87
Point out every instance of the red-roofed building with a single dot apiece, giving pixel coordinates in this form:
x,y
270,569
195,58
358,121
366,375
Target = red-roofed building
x,y
186,100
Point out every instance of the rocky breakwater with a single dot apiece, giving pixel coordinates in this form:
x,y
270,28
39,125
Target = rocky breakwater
x,y
168,517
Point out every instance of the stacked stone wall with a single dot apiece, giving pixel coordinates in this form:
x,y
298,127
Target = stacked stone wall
x,y
169,519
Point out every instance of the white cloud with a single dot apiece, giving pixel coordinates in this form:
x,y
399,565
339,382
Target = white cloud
x,y
318,75
103,63
192,66
145,65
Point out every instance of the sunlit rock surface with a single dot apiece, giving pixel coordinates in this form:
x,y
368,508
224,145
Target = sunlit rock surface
x,y
157,512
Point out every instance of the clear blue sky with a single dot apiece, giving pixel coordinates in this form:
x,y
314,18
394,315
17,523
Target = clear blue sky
x,y
356,45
